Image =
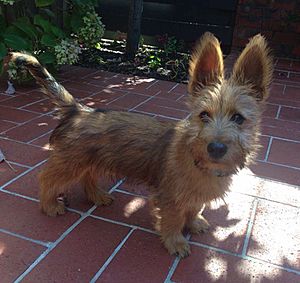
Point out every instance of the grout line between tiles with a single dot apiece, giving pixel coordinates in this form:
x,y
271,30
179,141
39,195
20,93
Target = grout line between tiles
x,y
280,165
174,265
31,103
19,164
22,174
268,149
145,101
54,244
44,244
249,227
130,193
173,87
278,112
29,142
111,257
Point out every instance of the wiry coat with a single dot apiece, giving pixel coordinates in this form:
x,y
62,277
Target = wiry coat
x,y
170,157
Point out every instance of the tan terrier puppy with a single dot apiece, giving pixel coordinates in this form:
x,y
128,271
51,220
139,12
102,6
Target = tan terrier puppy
x,y
186,164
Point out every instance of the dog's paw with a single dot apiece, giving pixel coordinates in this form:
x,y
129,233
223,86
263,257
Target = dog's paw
x,y
178,246
104,199
199,225
54,210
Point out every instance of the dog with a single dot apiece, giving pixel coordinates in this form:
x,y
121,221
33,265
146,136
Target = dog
x,y
186,164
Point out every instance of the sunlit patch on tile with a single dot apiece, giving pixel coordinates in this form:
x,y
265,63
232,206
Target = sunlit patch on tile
x,y
133,206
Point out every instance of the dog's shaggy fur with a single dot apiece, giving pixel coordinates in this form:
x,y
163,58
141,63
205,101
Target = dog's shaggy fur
x,y
186,164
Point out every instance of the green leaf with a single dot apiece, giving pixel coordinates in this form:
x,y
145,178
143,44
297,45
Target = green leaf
x,y
40,21
43,3
3,50
47,58
57,32
25,25
48,12
48,40
16,42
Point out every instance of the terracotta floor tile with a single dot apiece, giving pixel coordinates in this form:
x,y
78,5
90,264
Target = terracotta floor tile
x,y
22,153
29,221
129,101
102,97
292,114
3,96
247,183
32,129
136,189
285,152
6,125
228,223
28,184
16,255
159,110
168,103
6,174
22,100
292,93
276,172
43,107
295,76
281,132
81,254
128,209
15,115
270,110
142,259
264,142
205,266
275,234
43,141
180,89
174,96
291,125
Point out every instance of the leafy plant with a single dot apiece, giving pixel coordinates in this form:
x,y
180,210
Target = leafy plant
x,y
41,34
154,62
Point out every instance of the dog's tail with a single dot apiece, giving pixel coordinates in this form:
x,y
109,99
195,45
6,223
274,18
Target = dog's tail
x,y
56,92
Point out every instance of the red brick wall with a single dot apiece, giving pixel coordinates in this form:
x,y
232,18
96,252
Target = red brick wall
x,y
278,20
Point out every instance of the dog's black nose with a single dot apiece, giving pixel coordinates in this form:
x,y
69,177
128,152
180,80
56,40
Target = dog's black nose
x,y
216,150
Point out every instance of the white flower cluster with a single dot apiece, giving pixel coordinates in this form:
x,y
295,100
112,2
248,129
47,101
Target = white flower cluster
x,y
93,29
12,71
7,2
67,52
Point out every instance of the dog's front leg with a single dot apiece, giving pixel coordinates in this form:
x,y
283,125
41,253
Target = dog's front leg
x,y
171,224
196,222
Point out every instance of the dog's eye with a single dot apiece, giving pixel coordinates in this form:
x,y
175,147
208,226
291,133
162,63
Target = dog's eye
x,y
237,118
204,116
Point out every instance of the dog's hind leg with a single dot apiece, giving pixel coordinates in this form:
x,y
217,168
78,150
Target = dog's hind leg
x,y
54,181
93,193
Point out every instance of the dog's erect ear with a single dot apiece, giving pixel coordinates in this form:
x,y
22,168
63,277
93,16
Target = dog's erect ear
x,y
254,67
206,64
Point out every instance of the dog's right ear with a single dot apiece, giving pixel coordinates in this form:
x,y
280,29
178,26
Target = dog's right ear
x,y
206,64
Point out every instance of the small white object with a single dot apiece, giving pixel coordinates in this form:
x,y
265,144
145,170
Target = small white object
x,y
2,158
10,89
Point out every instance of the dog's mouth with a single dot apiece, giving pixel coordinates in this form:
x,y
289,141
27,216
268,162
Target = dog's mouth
x,y
217,169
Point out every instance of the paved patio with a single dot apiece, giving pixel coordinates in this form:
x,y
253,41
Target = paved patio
x,y
256,238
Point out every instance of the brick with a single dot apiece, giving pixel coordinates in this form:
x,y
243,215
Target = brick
x,y
24,217
264,142
205,266
32,129
6,174
275,234
288,113
6,125
276,172
16,256
128,209
270,110
81,254
284,152
228,223
22,100
22,153
43,107
137,261
15,115
130,100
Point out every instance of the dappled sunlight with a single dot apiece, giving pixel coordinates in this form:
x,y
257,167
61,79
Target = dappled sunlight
x,y
131,82
133,206
216,267
42,124
47,147
2,248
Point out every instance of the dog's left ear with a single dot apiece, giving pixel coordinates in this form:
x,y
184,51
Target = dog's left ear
x,y
254,67
206,64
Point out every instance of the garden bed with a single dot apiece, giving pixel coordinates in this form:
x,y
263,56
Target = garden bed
x,y
165,63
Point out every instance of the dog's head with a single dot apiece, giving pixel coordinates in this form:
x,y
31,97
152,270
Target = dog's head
x,y
224,124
